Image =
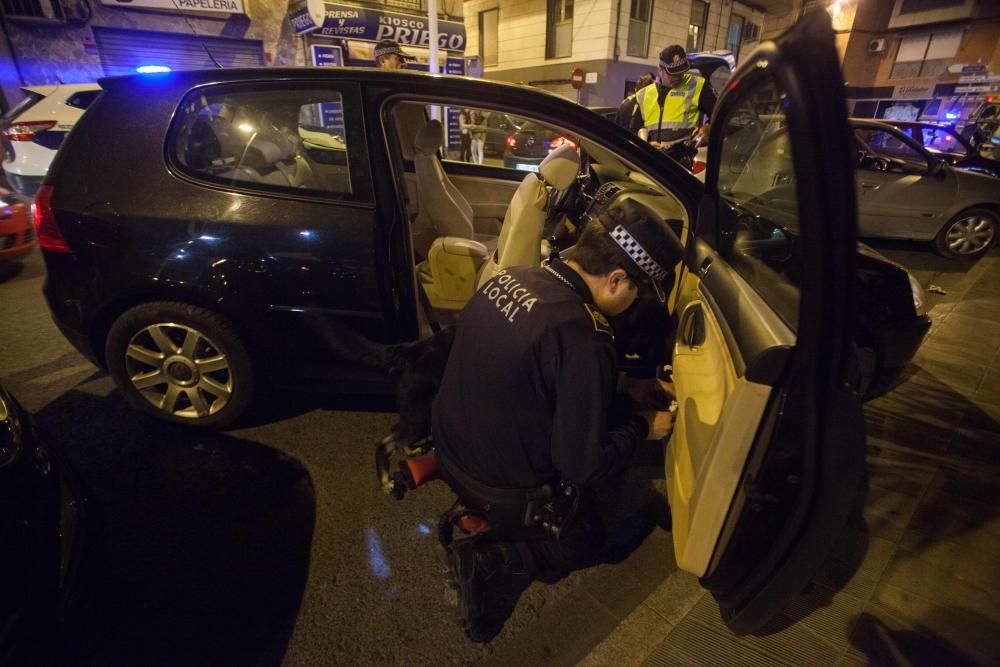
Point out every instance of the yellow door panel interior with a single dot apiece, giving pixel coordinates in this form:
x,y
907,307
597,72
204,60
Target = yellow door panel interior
x,y
717,419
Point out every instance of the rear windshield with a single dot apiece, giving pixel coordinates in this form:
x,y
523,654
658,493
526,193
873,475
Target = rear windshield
x,y
82,99
31,100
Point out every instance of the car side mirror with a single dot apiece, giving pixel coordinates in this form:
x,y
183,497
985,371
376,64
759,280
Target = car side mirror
x,y
937,168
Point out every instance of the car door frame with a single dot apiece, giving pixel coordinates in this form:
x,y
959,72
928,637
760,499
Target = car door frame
x,y
806,464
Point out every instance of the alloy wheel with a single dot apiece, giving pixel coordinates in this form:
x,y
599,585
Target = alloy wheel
x,y
970,235
179,370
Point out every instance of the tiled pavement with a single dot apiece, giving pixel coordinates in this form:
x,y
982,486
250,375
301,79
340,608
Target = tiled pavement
x,y
926,591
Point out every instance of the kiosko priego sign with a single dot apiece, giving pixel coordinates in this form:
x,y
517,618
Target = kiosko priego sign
x,y
332,20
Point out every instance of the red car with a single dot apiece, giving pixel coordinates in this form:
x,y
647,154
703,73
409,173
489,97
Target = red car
x,y
17,233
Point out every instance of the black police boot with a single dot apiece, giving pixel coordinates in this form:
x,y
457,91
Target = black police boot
x,y
489,578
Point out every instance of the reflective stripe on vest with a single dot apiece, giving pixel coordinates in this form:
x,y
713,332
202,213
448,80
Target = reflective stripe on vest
x,y
680,108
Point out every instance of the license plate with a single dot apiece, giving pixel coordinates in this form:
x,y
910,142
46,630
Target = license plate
x,y
527,167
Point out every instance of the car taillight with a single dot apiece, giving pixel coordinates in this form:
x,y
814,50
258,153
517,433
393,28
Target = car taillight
x,y
511,142
26,130
698,167
49,236
559,142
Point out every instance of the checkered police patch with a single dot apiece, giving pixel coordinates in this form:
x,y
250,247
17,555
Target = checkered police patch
x,y
638,254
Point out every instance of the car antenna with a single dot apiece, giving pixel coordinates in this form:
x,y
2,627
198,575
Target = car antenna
x,y
195,33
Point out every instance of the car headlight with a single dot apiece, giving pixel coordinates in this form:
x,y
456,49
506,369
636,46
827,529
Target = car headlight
x,y
919,296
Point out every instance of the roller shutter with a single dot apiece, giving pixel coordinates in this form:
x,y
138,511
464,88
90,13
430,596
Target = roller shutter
x,y
122,51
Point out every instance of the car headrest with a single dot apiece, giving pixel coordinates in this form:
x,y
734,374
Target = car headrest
x,y
270,151
428,139
560,167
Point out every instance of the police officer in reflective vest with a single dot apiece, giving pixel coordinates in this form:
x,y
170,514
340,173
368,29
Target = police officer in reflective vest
x,y
674,105
528,429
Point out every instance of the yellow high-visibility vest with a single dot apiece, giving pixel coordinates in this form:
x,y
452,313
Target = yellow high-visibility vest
x,y
680,108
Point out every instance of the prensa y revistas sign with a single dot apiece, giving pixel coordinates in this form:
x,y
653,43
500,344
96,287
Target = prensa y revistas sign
x,y
333,20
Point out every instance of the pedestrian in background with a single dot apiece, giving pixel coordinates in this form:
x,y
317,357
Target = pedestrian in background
x,y
477,135
464,122
388,55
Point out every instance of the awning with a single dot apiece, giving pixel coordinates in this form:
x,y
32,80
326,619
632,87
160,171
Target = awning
x,y
360,23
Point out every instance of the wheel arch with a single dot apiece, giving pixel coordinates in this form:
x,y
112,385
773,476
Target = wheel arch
x,y
992,207
105,318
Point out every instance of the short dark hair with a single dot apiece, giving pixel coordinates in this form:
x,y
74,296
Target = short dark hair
x,y
598,254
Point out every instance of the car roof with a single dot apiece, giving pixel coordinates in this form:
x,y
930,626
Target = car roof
x,y
400,78
65,87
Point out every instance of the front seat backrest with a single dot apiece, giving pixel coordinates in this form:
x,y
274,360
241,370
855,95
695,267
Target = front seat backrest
x,y
520,241
441,210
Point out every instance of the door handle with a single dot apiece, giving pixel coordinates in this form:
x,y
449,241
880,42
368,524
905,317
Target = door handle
x,y
869,186
692,326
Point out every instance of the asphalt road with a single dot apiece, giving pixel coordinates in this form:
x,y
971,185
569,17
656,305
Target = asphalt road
x,y
265,545
272,544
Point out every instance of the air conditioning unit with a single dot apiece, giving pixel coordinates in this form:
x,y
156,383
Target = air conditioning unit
x,y
877,45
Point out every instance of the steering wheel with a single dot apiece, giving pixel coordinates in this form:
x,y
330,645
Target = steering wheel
x,y
880,164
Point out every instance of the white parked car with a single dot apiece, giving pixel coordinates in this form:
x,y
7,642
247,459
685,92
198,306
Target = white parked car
x,y
32,131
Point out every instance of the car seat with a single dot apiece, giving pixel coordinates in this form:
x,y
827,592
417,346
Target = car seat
x,y
442,209
520,241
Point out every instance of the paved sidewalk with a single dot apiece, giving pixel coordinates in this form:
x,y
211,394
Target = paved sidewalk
x,y
926,590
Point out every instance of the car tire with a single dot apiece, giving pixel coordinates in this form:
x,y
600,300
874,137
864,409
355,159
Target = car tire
x,y
968,235
180,363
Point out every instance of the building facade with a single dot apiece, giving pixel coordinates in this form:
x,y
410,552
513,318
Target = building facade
x,y
918,59
77,41
541,42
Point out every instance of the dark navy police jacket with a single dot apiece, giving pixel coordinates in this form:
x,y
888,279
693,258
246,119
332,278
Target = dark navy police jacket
x,y
529,380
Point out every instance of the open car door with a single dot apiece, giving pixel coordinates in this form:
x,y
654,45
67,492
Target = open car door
x,y
767,454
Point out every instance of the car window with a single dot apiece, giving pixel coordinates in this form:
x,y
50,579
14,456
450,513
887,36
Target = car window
x,y
885,144
498,139
758,207
940,139
82,99
276,140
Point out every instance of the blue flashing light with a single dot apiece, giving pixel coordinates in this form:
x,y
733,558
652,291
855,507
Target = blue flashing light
x,y
152,69
951,116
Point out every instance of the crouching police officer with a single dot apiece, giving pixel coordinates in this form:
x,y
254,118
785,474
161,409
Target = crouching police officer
x,y
523,423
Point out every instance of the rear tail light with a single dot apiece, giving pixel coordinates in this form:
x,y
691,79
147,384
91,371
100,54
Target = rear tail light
x,y
49,236
26,130
559,142
511,142
698,167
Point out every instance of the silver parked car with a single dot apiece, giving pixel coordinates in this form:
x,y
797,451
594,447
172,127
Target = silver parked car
x,y
904,191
